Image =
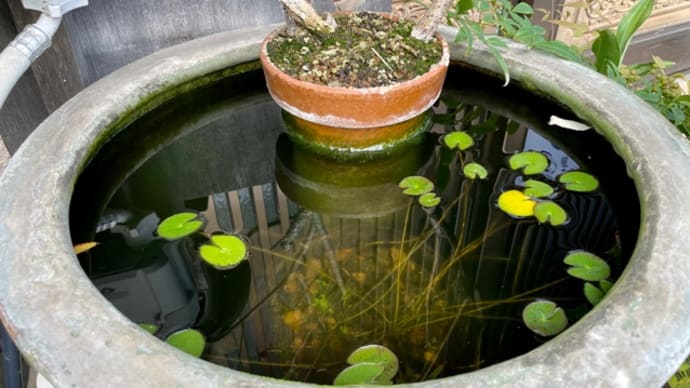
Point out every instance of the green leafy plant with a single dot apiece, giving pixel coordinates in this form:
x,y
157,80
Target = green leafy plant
x,y
537,189
475,170
416,185
179,225
458,139
510,21
595,294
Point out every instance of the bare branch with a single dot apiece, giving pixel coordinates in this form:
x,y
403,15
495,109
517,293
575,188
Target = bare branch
x,y
304,14
426,26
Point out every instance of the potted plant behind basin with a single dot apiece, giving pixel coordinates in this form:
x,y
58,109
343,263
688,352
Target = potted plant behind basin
x,y
355,81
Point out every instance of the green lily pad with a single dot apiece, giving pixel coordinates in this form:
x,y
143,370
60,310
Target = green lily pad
x,y
544,318
460,140
416,185
550,212
189,341
587,266
531,162
537,189
516,204
358,374
179,225
150,327
579,181
376,354
224,252
429,200
475,170
605,286
593,293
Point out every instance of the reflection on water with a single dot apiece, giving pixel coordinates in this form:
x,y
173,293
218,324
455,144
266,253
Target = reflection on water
x,y
340,258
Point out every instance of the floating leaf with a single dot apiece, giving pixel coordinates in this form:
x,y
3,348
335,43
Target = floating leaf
x,y
587,266
579,181
474,171
605,286
376,354
189,341
362,373
550,212
179,225
516,204
416,185
150,327
460,140
537,189
429,200
593,294
83,247
544,318
531,162
224,252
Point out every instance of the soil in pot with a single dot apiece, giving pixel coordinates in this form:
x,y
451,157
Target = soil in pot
x,y
443,286
366,50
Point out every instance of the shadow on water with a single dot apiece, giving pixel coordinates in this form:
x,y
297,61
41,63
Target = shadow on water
x,y
340,257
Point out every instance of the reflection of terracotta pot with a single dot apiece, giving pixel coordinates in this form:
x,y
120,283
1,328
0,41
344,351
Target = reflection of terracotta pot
x,y
349,189
354,107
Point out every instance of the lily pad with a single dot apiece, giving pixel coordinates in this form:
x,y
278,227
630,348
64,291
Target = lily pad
x,y
531,162
516,204
189,341
544,318
224,252
429,200
593,293
550,212
416,185
475,170
579,181
376,354
460,140
149,327
605,286
179,225
587,266
537,189
358,374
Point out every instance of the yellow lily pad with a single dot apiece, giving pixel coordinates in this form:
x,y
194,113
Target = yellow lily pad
x,y
516,203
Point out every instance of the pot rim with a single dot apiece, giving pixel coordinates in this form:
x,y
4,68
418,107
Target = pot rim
x,y
645,314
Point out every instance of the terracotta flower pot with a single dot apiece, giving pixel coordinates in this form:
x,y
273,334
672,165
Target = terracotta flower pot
x,y
344,107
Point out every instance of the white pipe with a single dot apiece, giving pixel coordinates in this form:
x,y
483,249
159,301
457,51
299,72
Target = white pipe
x,y
16,58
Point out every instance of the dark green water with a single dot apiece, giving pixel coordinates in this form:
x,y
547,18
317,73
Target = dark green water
x,y
340,258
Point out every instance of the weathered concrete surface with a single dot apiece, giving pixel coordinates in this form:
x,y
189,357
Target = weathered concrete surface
x,y
636,337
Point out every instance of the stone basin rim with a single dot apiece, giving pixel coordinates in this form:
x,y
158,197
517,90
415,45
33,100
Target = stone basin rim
x,y
638,334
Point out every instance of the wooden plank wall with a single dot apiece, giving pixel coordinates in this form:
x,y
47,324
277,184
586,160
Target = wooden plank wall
x,y
95,40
